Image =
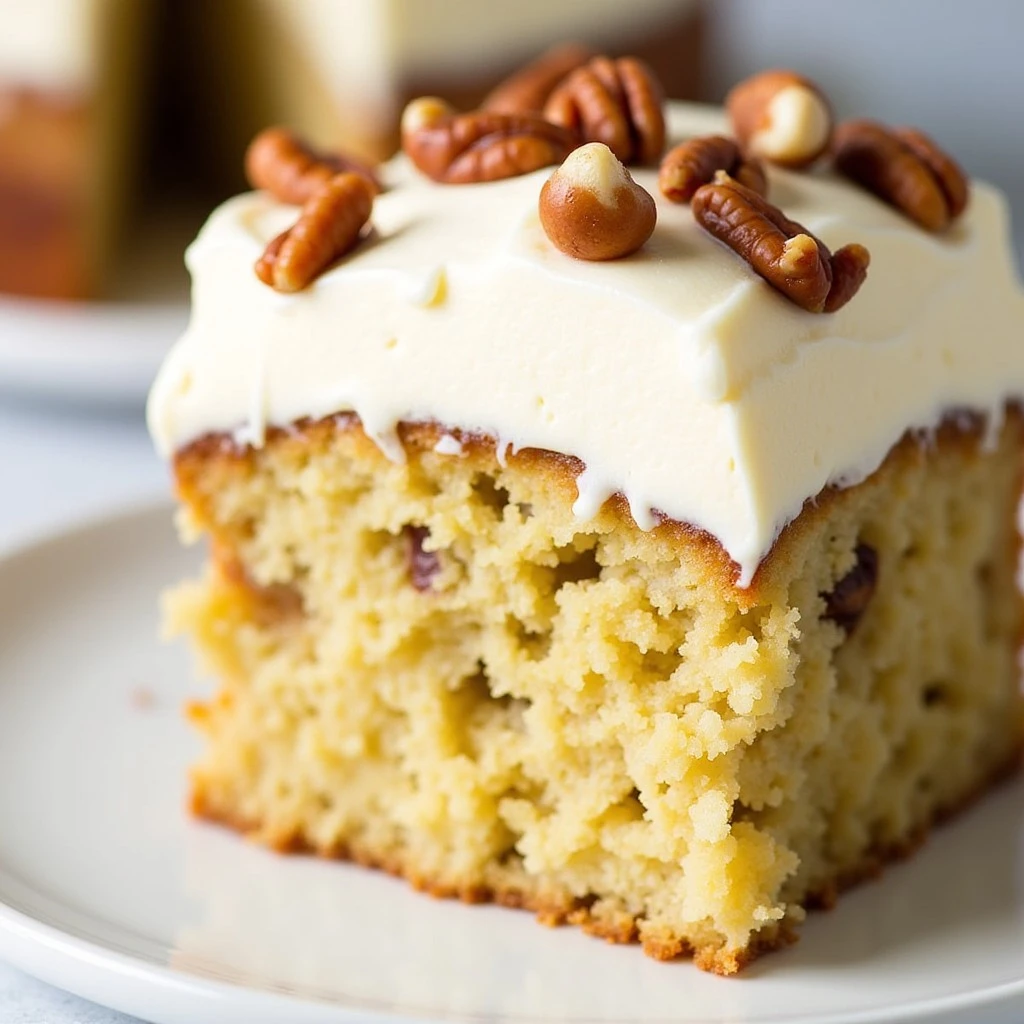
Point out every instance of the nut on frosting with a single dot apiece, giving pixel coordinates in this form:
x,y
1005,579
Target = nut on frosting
x,y
290,170
330,225
482,145
904,167
527,90
592,209
783,252
694,163
782,117
617,102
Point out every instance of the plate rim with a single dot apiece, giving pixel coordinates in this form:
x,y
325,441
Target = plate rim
x,y
102,353
87,969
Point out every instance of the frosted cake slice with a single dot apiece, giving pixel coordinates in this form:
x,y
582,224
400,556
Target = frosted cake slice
x,y
636,591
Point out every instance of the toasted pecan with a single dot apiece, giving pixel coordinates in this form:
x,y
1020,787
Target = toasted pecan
x,y
849,271
846,603
905,168
617,102
293,172
780,250
782,117
592,209
527,90
948,174
479,146
694,162
330,225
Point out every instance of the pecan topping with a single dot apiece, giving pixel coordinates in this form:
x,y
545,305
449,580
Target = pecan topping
x,y
693,163
905,168
849,272
948,174
329,226
592,209
783,252
526,91
281,164
782,117
459,149
850,596
617,102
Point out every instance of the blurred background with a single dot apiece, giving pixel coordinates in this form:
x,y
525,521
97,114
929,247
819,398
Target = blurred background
x,y
123,121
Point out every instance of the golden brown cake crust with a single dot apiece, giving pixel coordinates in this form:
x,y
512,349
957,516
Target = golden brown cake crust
x,y
550,911
624,929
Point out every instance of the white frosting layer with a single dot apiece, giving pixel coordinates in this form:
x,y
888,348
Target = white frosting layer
x,y
49,44
677,375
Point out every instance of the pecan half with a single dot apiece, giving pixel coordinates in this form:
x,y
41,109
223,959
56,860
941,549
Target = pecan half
x,y
283,165
849,271
693,163
782,117
617,102
459,149
849,598
329,227
905,168
526,91
948,173
781,251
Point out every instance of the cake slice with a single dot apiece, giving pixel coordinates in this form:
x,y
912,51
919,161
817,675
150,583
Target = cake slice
x,y
632,591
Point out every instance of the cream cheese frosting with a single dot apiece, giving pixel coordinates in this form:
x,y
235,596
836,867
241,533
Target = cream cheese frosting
x,y
676,375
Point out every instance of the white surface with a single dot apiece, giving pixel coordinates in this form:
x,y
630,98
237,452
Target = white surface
x,y
108,889
105,353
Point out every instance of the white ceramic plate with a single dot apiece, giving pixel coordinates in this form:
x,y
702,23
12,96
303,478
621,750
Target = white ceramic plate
x,y
101,353
107,889
105,352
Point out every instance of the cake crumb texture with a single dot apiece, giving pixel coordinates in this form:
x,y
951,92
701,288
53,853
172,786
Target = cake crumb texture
x,y
434,668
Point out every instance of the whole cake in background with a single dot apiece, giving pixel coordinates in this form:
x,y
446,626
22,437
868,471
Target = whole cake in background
x,y
78,76
340,71
611,504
